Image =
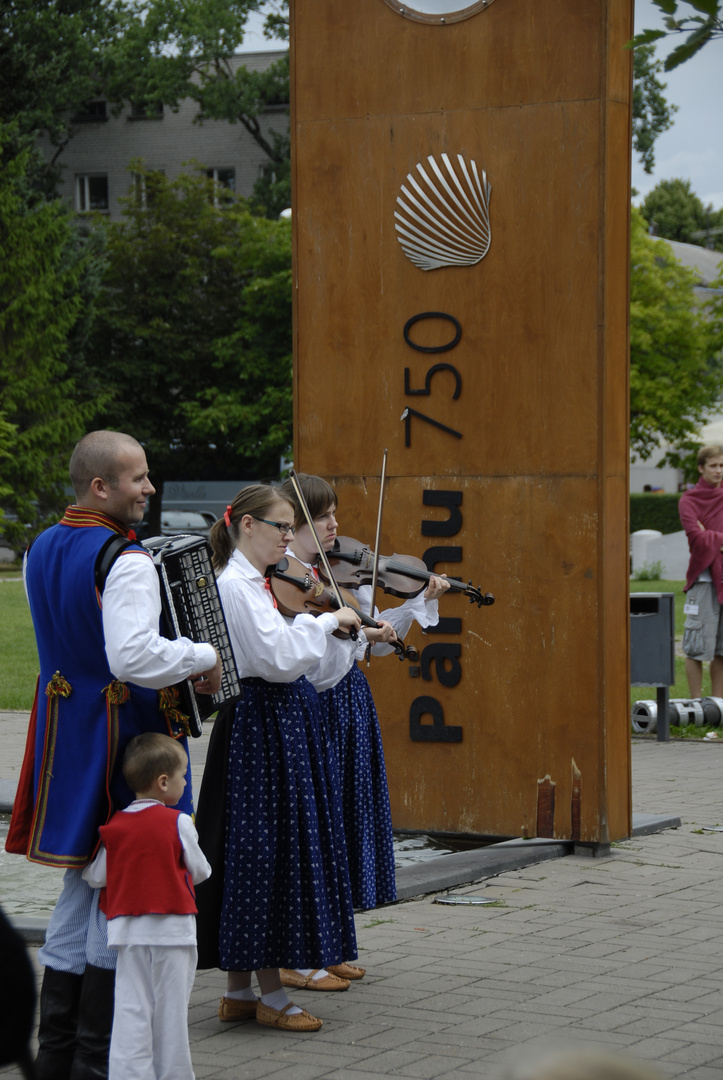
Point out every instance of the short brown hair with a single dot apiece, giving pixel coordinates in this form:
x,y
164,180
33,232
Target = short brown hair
x,y
149,756
319,495
99,453
707,452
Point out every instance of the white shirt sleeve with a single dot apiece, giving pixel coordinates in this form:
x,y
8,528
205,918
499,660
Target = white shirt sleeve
x,y
264,644
196,862
136,650
415,609
340,655
95,872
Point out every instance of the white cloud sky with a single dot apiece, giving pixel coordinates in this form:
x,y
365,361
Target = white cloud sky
x,y
693,148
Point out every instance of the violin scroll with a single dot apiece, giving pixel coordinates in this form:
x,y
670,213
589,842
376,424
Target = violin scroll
x,y
476,596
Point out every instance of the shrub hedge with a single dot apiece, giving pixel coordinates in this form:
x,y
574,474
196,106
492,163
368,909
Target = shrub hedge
x,y
654,512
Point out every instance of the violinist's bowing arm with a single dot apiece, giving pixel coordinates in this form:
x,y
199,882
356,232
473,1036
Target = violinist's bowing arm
x,y
415,609
384,633
348,618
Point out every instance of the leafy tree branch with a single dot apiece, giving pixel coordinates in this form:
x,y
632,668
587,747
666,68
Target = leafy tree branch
x,y
698,29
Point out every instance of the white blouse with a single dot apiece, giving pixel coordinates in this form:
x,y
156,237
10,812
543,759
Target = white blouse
x,y
265,645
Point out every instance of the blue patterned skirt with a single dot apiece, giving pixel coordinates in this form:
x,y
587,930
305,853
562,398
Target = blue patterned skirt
x,y
287,899
352,722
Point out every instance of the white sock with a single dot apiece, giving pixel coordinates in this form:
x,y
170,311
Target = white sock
x,y
246,994
278,1000
319,974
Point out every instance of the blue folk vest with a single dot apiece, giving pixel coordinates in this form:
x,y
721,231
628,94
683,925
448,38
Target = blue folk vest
x,y
85,717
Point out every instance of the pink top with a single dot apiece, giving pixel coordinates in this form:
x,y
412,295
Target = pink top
x,y
704,503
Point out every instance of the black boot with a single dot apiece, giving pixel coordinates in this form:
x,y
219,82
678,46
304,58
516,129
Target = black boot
x,y
59,998
95,1019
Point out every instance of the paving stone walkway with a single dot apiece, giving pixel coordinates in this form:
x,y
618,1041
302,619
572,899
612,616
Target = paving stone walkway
x,y
623,953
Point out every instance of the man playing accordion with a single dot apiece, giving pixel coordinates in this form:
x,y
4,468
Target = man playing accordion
x,y
102,663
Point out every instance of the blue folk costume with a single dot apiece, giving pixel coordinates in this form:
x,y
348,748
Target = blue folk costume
x,y
353,725
71,782
269,818
286,900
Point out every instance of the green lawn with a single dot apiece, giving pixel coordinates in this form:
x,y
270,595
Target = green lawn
x,y
18,655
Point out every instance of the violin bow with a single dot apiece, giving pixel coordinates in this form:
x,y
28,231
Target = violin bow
x,y
377,549
322,554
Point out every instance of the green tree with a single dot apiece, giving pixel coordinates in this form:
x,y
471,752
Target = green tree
x,y
250,403
676,371
57,55
678,214
46,289
184,49
194,331
700,29
54,56
652,115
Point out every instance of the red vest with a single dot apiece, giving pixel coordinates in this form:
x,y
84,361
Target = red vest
x,y
145,871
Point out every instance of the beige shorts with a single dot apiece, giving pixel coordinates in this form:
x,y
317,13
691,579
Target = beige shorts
x,y
703,633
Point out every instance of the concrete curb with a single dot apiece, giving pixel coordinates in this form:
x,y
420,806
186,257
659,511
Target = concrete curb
x,y
7,795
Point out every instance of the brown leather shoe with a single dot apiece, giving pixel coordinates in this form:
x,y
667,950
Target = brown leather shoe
x,y
230,1009
289,977
347,971
278,1018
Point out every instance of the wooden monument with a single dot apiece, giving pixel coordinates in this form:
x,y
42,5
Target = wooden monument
x,y
461,237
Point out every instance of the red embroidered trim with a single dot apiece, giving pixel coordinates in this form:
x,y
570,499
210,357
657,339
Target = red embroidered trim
x,y
79,517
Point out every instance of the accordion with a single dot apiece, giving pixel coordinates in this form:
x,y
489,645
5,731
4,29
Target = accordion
x,y
192,608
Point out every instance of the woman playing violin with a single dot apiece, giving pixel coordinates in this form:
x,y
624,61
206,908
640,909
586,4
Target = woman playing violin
x,y
286,894
351,717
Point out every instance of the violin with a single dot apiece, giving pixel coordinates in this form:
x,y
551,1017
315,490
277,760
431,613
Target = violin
x,y
400,575
297,592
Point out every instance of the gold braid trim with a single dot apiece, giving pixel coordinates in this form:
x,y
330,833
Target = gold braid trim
x,y
117,693
169,700
58,687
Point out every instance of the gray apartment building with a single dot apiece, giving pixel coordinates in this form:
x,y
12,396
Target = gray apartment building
x,y
96,161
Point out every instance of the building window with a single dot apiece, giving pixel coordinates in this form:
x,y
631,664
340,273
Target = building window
x,y
91,192
144,187
91,112
223,178
146,110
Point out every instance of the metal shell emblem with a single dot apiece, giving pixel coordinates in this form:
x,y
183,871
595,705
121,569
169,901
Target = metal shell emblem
x,y
445,219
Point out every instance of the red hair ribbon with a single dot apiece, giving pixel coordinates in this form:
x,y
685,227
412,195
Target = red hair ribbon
x,y
227,516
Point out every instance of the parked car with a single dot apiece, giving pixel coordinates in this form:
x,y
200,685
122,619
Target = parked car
x,y
174,522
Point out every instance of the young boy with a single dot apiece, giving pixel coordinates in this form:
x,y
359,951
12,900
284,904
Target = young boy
x,y
147,866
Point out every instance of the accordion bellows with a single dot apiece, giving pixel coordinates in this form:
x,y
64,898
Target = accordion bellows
x,y
192,608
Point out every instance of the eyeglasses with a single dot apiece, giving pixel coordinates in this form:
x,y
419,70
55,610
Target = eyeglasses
x,y
282,526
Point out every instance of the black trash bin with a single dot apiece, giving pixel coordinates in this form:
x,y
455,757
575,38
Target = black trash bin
x,y
652,649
